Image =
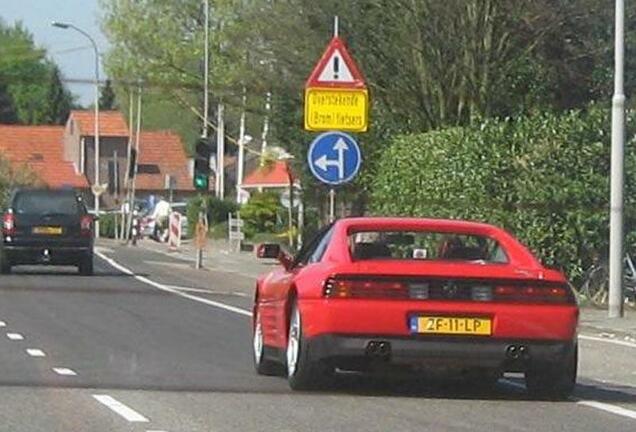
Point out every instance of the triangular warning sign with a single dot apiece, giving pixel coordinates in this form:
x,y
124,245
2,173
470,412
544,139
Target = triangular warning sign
x,y
336,68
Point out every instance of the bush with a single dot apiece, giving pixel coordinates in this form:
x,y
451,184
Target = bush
x,y
260,213
217,211
107,225
545,178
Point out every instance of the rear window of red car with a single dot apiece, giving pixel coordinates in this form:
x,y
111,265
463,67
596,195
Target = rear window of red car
x,y
425,245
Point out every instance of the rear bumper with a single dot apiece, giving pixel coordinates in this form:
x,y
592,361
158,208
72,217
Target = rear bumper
x,y
437,353
57,255
391,317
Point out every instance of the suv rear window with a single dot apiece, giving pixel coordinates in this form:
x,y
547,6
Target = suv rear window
x,y
425,245
45,202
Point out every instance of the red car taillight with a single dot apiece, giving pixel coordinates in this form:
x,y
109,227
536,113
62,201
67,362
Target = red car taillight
x,y
355,288
534,294
448,290
8,224
86,224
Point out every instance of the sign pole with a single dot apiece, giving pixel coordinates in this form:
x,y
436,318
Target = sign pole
x,y
332,205
335,26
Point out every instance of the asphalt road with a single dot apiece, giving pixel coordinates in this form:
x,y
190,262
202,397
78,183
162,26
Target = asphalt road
x,y
169,349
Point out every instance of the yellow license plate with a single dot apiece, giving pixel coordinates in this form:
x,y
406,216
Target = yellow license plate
x,y
47,230
452,325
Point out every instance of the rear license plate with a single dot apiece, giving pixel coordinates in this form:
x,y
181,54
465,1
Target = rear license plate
x,y
451,325
50,230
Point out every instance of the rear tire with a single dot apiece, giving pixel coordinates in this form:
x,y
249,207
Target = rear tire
x,y
555,381
86,265
302,373
262,365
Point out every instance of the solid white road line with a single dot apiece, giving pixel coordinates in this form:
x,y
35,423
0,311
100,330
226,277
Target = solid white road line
x,y
610,341
207,291
162,287
613,409
34,352
3,324
126,412
64,371
15,336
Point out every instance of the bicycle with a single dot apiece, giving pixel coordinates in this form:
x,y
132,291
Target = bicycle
x,y
596,283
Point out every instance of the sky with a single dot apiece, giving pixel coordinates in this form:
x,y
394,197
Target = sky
x,y
69,49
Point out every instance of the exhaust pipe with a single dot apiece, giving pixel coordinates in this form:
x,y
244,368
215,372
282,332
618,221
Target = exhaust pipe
x,y
515,352
512,352
378,349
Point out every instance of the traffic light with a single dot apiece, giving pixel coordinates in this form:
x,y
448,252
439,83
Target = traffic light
x,y
201,178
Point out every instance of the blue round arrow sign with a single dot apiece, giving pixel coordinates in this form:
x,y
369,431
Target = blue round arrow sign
x,y
334,158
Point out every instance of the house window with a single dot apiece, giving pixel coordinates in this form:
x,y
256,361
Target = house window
x,y
148,169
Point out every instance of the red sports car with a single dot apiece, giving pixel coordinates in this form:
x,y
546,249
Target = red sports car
x,y
458,296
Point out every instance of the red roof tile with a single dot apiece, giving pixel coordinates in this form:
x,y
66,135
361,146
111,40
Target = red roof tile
x,y
271,175
111,123
40,149
164,149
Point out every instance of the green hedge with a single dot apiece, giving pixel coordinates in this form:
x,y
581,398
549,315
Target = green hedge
x,y
107,225
545,178
217,211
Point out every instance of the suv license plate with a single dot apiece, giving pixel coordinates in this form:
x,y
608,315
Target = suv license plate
x,y
47,230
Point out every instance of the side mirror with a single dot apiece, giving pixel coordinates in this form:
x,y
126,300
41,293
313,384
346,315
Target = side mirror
x,y
274,251
268,250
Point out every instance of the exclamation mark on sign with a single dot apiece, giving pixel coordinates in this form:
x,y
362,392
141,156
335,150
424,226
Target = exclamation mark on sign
x,y
336,67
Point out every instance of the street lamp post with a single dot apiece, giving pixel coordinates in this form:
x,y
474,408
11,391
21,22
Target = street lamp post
x,y
617,168
96,186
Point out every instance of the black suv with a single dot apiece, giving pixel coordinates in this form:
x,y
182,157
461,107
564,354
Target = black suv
x,y
47,226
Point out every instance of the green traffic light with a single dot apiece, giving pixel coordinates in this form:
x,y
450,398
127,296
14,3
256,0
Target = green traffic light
x,y
201,182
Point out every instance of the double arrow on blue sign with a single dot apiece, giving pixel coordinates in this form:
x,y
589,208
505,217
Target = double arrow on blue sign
x,y
334,158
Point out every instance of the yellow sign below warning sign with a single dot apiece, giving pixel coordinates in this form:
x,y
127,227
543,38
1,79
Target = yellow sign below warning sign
x,y
344,109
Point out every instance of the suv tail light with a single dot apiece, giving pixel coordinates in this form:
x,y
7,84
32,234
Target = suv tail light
x,y
86,224
8,224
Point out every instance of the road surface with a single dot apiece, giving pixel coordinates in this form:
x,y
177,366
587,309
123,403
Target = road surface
x,y
149,344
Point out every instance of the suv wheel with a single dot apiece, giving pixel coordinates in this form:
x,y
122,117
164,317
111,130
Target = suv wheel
x,y
86,265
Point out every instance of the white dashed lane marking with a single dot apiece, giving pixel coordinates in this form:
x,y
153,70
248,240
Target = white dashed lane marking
x,y
126,412
15,336
34,352
64,371
3,324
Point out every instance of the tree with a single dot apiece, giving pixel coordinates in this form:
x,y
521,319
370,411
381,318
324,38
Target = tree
x,y
107,97
31,90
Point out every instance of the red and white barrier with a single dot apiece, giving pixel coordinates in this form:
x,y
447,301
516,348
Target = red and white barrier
x,y
174,231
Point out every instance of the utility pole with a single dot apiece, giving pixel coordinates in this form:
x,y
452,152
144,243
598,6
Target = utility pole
x,y
617,168
220,152
137,138
268,107
125,215
241,152
206,67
